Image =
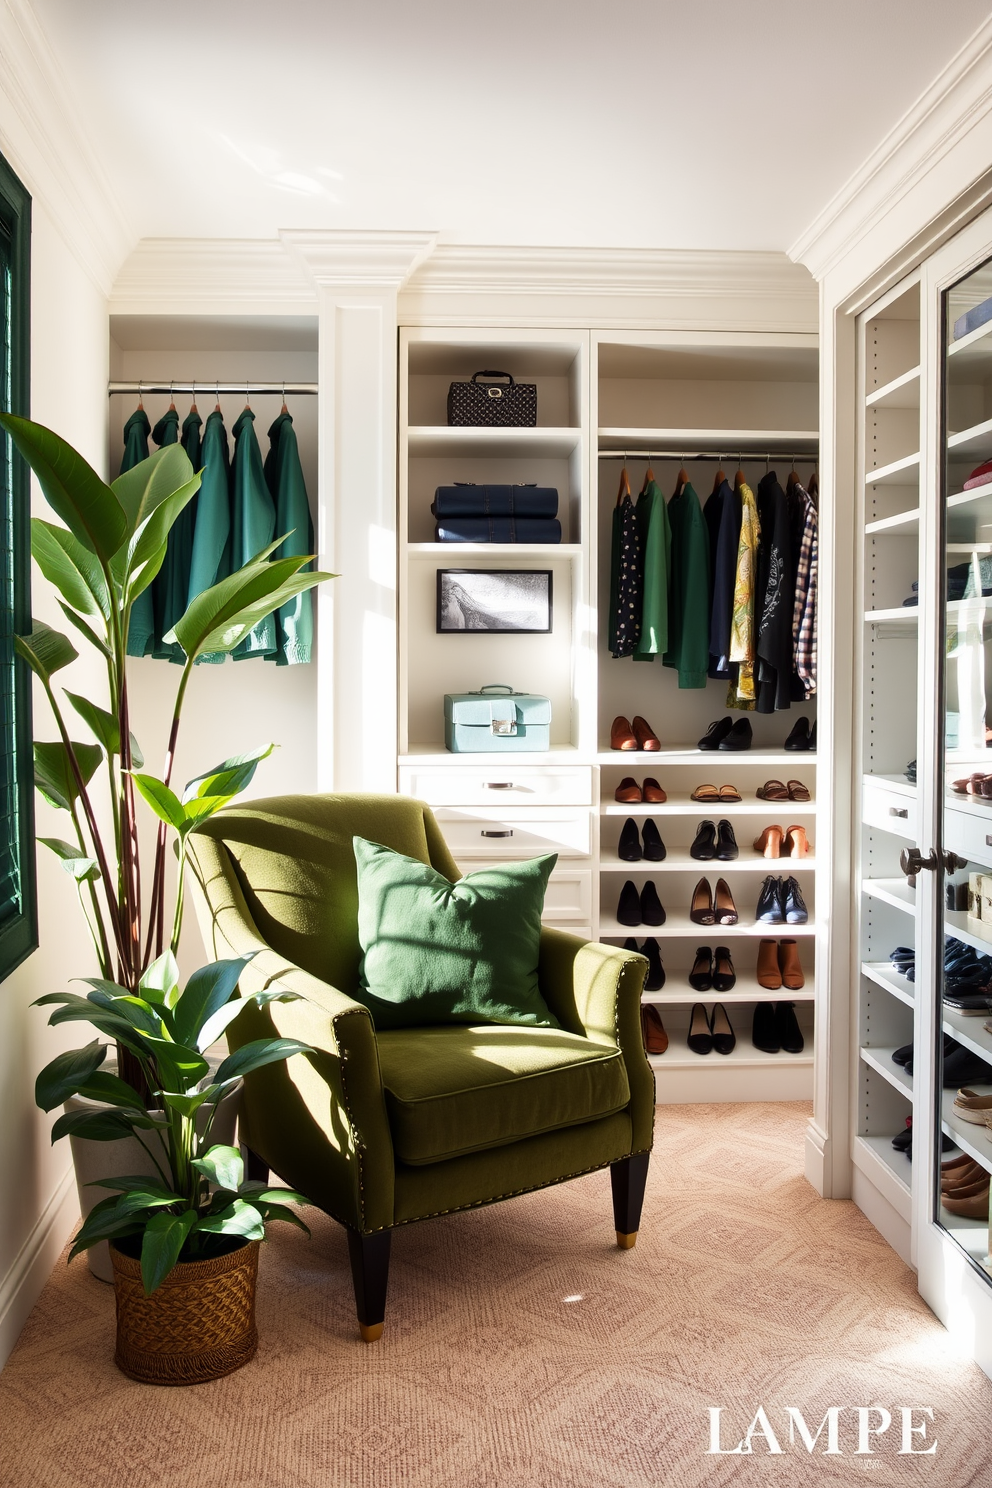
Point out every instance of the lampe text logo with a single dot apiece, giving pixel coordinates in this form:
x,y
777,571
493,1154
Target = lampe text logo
x,y
857,1430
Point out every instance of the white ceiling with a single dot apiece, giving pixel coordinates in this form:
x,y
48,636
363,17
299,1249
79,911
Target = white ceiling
x,y
645,123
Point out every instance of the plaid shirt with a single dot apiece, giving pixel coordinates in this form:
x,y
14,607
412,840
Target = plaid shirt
x,y
804,607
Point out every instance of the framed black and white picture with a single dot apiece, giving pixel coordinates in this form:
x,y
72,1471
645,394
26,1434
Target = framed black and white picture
x,y
510,601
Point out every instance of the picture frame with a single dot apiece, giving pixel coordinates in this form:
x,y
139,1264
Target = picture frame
x,y
494,601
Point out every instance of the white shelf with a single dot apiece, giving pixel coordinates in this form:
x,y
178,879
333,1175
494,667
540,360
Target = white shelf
x,y
893,782
746,990
440,440
558,754
970,345
970,1138
719,759
963,927
894,891
720,441
681,805
679,861
884,976
968,1031
743,1056
893,474
901,392
903,523
904,614
970,440
880,1060
679,926
451,550
980,496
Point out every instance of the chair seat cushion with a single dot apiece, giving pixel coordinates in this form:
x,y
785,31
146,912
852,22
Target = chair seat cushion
x,y
456,1089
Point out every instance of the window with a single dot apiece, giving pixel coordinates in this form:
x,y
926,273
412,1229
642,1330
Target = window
x,y
18,916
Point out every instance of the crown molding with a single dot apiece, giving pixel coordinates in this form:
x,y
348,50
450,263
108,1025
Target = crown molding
x,y
190,276
958,99
43,137
356,257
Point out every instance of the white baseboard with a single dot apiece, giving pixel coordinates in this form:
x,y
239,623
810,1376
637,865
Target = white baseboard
x,y
21,1287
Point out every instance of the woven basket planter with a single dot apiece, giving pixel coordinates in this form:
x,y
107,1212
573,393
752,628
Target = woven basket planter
x,y
198,1325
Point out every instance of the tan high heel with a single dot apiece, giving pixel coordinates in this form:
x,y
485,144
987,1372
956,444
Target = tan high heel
x,y
797,842
789,965
769,844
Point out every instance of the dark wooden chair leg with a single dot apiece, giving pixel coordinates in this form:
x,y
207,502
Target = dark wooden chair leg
x,y
370,1274
628,1178
255,1168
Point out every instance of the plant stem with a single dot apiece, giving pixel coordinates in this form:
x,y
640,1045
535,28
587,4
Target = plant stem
x,y
103,948
157,914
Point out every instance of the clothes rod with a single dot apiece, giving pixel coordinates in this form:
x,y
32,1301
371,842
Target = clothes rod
x,y
727,457
250,389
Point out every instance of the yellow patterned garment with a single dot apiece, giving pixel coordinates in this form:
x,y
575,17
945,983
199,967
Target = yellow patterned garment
x,y
742,636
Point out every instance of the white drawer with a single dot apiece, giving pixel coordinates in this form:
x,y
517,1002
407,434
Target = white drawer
x,y
515,834
969,833
493,784
892,810
569,895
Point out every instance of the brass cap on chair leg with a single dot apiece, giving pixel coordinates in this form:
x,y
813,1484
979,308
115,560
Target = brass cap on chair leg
x,y
626,1242
372,1334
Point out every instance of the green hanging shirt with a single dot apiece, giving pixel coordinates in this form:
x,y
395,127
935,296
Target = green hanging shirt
x,y
253,524
210,557
163,588
284,476
141,631
652,512
689,602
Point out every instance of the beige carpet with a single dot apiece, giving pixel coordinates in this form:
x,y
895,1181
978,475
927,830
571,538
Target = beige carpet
x,y
523,1350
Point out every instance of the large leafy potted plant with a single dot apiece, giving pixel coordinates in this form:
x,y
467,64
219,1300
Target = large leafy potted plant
x,y
186,1203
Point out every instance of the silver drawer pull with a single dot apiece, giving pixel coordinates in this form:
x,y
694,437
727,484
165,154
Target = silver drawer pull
x,y
497,785
988,842
506,833
898,811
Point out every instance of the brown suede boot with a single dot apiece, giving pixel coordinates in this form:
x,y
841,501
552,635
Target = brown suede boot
x,y
769,975
788,960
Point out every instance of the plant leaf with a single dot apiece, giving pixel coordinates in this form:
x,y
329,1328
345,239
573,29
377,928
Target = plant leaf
x,y
228,778
150,543
53,774
71,568
109,1023
180,1068
160,980
104,1086
165,1236
102,725
208,989
142,489
125,1183
96,1232
138,1013
223,614
66,1072
100,1126
280,1211
222,1165
256,1054
72,488
261,1193
163,801
45,650
239,1219
137,758
186,1105
86,630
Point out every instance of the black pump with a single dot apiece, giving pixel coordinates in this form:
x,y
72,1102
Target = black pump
x,y
654,849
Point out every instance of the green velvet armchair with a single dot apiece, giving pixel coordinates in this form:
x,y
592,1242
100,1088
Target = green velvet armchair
x,y
381,1129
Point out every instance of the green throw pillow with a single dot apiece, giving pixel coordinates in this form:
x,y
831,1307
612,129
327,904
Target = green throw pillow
x,y
442,952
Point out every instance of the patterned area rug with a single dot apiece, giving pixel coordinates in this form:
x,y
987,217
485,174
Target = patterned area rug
x,y
522,1350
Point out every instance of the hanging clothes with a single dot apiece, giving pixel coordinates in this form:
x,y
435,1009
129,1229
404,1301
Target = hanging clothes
x,y
723,510
774,598
689,602
141,630
253,522
656,547
210,557
804,609
284,477
626,574
166,431
741,693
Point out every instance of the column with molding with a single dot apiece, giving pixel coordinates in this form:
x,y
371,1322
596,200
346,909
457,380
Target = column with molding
x,y
358,276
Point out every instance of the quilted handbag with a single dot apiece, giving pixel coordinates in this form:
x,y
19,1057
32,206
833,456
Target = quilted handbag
x,y
491,403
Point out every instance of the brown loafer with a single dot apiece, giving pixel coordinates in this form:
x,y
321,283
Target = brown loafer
x,y
628,791
653,791
974,1207
645,734
621,734
653,1030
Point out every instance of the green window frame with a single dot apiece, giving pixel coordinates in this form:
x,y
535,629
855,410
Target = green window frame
x,y
18,893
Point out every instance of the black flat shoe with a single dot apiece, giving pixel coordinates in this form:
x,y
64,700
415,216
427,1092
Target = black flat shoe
x,y
652,909
793,903
902,1056
902,1141
700,1039
716,732
798,740
629,904
704,843
654,849
701,975
764,1030
788,1030
726,842
724,975
770,910
629,846
812,745
739,737
724,1037
655,979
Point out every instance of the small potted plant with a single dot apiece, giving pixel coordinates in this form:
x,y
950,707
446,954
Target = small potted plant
x,y
185,1203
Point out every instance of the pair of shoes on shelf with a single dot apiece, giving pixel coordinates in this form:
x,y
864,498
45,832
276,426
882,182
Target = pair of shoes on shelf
x,y
774,1029
775,790
655,979
709,907
779,965
781,902
653,1029
802,739
904,1056
646,843
964,1189
714,840
709,1031
974,1106
631,794
783,842
715,795
636,735
712,970
644,908
961,1067
973,785
727,735
903,1142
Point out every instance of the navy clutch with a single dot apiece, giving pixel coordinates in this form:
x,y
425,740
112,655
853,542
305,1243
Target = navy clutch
x,y
469,500
498,530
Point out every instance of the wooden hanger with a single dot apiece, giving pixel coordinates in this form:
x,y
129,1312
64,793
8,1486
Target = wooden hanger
x,y
813,489
648,477
172,397
720,477
740,479
624,491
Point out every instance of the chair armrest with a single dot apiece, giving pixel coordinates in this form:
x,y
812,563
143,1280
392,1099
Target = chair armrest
x,y
319,1121
595,990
